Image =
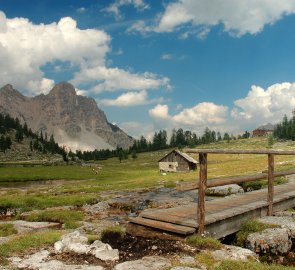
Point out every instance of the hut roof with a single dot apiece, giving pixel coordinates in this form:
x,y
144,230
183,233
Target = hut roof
x,y
184,155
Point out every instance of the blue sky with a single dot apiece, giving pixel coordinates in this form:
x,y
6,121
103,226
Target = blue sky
x,y
227,65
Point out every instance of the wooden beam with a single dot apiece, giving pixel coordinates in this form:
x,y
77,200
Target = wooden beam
x,y
201,195
182,186
270,184
228,151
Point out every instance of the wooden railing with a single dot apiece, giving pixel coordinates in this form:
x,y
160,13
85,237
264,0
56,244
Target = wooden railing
x,y
203,184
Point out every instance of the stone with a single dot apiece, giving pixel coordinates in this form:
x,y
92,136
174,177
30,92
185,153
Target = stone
x,y
187,260
103,251
282,221
39,261
146,263
72,242
234,253
275,241
224,190
100,208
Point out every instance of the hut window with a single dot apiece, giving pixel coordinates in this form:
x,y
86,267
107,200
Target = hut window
x,y
170,166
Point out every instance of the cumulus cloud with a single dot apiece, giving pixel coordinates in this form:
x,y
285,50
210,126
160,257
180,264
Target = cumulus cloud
x,y
127,99
160,112
113,79
265,105
237,17
25,48
204,113
114,8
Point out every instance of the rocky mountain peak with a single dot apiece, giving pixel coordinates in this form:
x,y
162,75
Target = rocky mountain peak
x,y
75,121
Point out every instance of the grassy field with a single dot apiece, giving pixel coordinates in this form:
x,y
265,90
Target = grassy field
x,y
81,184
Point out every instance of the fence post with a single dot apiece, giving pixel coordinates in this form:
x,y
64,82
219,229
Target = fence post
x,y
270,184
202,188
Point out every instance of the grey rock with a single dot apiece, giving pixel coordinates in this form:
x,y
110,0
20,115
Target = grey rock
x,y
224,190
103,251
234,253
39,261
275,241
77,243
146,263
100,208
282,221
72,242
187,260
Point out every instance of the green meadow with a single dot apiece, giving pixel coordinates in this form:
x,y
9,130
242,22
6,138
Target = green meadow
x,y
76,184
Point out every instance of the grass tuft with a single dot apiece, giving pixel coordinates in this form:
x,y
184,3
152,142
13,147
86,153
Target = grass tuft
x,y
26,242
7,229
203,242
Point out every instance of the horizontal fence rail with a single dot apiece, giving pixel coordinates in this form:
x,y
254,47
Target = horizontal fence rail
x,y
203,183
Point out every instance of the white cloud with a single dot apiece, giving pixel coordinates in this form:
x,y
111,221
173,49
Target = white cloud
x,y
237,17
114,8
127,99
26,47
205,113
160,112
113,79
40,87
167,56
265,105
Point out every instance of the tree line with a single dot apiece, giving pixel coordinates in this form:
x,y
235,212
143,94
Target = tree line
x,y
11,129
286,129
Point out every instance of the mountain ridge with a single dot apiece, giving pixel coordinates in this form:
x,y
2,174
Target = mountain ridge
x,y
74,120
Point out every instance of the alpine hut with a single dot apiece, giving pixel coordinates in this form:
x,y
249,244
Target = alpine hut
x,y
176,161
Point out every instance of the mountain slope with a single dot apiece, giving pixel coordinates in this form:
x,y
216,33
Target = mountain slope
x,y
75,121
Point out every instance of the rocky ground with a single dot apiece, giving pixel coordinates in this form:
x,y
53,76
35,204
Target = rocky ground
x,y
116,251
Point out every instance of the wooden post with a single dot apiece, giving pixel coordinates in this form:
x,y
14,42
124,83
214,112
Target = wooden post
x,y
202,188
270,184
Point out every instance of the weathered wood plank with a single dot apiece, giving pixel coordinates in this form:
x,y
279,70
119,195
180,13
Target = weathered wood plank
x,y
164,226
184,186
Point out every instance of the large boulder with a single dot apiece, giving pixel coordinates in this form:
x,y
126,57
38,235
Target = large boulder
x,y
281,221
274,241
224,190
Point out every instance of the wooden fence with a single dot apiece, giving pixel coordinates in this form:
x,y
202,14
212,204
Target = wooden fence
x,y
203,184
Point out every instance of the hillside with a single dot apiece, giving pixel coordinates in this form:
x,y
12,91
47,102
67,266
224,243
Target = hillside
x,y
19,144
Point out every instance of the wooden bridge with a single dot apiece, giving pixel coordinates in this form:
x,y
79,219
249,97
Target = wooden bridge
x,y
223,216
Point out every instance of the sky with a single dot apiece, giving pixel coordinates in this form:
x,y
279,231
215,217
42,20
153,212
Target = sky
x,y
224,64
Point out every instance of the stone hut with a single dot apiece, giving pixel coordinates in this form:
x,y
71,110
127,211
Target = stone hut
x,y
176,161
263,130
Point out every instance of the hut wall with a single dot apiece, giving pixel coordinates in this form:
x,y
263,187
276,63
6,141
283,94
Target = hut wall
x,y
183,164
168,166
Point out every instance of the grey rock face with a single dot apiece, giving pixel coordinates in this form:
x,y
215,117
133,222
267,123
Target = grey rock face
x,y
146,263
224,190
75,121
275,241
